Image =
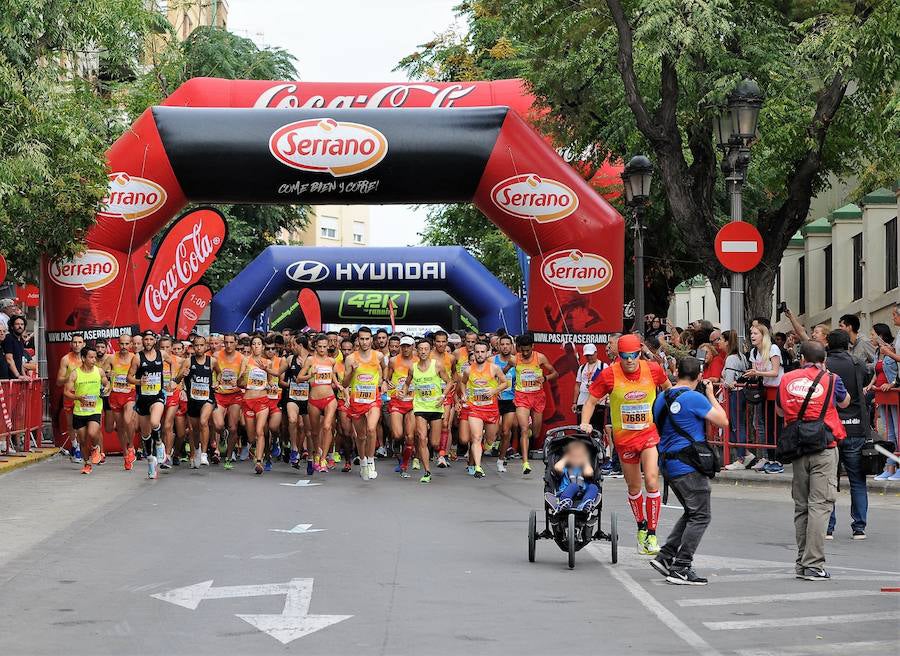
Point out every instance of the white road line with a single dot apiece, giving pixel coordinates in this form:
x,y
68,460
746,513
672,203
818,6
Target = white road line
x,y
802,621
763,576
870,647
662,613
765,599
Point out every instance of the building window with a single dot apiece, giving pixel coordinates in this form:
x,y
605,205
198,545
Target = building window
x,y
359,232
857,267
890,255
801,302
328,227
829,260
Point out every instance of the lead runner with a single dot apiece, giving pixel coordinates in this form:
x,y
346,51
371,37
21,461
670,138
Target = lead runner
x,y
632,384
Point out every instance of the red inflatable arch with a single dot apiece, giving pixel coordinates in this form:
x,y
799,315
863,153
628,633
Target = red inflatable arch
x,y
344,143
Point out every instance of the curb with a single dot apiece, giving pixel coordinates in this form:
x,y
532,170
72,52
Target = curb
x,y
18,462
784,480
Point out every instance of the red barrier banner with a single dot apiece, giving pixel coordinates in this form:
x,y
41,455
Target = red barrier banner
x,y
191,307
186,251
311,308
28,295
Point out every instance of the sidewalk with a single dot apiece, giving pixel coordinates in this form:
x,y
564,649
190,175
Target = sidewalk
x,y
750,478
9,463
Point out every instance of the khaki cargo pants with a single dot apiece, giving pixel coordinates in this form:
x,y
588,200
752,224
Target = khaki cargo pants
x,y
814,490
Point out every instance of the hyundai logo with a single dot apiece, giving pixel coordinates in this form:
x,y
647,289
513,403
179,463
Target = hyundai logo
x,y
307,271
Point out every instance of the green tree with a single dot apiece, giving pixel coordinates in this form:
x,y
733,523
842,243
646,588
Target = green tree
x,y
55,58
215,52
624,77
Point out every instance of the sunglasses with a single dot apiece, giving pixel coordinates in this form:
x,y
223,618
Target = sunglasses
x,y
630,356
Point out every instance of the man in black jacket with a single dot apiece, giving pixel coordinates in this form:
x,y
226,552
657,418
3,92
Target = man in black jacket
x,y
856,421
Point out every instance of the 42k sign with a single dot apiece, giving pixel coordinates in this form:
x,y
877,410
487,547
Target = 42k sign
x,y
372,305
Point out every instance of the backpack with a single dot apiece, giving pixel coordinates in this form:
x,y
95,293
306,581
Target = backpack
x,y
805,437
699,455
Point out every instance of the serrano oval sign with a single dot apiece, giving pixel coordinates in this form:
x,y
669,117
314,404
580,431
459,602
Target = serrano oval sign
x,y
131,198
577,271
323,145
91,270
529,196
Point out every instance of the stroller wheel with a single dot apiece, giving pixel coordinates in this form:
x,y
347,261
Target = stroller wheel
x,y
571,540
614,538
532,534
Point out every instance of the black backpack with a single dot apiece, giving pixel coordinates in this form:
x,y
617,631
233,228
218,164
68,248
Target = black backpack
x,y
699,455
805,437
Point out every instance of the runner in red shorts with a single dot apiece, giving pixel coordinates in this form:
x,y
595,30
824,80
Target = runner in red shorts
x,y
532,371
483,382
254,379
69,363
632,384
363,373
400,407
442,354
122,398
227,413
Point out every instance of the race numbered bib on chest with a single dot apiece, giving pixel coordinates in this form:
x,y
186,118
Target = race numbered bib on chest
x,y
199,391
151,384
296,392
636,416
427,390
530,380
322,376
480,396
89,402
120,384
228,380
257,379
364,392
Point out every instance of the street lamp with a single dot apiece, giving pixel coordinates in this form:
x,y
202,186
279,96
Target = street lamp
x,y
636,178
735,131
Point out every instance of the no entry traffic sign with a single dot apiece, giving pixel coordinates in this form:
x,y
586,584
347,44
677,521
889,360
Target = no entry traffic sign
x,y
739,246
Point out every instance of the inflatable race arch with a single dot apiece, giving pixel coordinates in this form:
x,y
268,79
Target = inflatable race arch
x,y
233,141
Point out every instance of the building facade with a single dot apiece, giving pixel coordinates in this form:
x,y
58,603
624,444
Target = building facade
x,y
332,225
187,15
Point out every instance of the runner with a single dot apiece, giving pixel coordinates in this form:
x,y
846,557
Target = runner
x,y
171,365
69,362
318,372
146,372
334,345
363,373
254,379
400,407
426,379
122,398
215,344
227,408
448,361
532,371
484,380
506,360
345,426
631,384
381,342
104,361
198,372
179,350
292,399
84,388
273,393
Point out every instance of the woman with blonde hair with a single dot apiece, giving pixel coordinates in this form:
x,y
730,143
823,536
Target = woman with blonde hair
x,y
765,365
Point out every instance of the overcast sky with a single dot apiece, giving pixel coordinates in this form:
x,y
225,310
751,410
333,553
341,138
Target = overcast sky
x,y
349,41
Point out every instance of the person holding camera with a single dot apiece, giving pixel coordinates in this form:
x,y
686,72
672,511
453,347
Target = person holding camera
x,y
687,464
808,399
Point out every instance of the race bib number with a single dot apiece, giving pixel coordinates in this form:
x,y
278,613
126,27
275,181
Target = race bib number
x,y
199,391
636,416
273,389
228,380
530,380
295,392
89,402
323,376
257,379
480,396
120,384
151,384
427,390
364,393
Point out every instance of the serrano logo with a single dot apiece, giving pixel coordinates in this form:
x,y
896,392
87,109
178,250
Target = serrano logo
x,y
577,271
189,314
324,145
529,196
800,388
635,395
91,270
307,271
131,198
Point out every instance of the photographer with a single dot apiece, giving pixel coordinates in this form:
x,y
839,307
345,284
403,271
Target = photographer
x,y
680,414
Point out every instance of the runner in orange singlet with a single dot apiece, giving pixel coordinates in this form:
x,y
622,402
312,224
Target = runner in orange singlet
x,y
400,406
122,398
533,369
228,396
362,376
254,380
484,381
443,355
318,371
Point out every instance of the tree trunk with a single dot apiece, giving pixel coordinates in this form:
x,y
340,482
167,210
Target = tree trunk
x,y
758,286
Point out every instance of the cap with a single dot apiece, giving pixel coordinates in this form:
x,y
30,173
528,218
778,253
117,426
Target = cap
x,y
6,302
454,339
407,341
148,333
629,344
590,349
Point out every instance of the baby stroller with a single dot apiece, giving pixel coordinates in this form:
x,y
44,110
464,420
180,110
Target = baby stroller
x,y
572,529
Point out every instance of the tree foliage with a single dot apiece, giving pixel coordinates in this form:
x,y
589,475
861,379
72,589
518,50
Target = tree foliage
x,y
621,77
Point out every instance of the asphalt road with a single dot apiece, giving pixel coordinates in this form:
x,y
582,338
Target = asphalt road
x,y
404,568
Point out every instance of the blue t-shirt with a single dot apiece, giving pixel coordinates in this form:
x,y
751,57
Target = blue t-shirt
x,y
689,411
509,393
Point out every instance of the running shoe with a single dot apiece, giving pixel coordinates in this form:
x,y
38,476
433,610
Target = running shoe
x,y
470,470
228,465
268,466
129,459
652,544
102,459
404,474
858,535
356,460
336,456
442,462
760,464
883,476
310,467
617,473
95,455
364,471
330,462
295,457
195,463
305,455
661,565
813,574
346,468
501,466
829,536
479,472
895,476
276,450
773,468
453,455
372,473
87,468
258,467
216,458
204,460
526,468
380,452
245,452
642,541
685,576
416,464
426,478
166,463
176,461
606,468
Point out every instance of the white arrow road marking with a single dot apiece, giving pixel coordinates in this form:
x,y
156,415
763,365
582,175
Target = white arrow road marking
x,y
190,596
302,483
734,246
299,528
294,621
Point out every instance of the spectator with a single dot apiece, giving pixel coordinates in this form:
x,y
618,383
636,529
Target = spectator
x,y
819,332
14,348
4,369
655,327
814,485
855,419
886,387
585,375
736,366
765,361
860,347
788,361
680,414
713,371
7,311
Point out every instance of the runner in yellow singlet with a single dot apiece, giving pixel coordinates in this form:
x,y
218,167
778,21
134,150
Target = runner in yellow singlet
x,y
84,387
432,385
400,406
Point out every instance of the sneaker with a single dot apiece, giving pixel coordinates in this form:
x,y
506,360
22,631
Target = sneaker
x,y
858,535
355,460
737,465
404,474
195,463
258,467
442,462
416,464
102,459
479,472
276,450
204,460
295,457
747,460
642,541
228,465
330,463
661,565
652,544
617,473
215,459
685,576
176,461
775,468
245,452
606,469
166,463
587,505
526,468
813,574
426,478
95,455
335,456
895,476
883,476
364,471
564,504
87,468
470,470
760,464
267,466
381,452
372,473
129,459
829,536
501,466
552,501
347,468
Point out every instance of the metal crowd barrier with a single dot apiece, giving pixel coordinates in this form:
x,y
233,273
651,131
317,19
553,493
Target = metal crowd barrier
x,y
21,415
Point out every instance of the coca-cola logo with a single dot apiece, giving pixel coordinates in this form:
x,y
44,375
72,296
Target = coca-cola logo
x,y
92,269
529,196
577,271
800,388
131,198
285,96
323,145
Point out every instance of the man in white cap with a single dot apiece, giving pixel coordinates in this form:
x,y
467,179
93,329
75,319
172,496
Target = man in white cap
x,y
583,379
7,310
